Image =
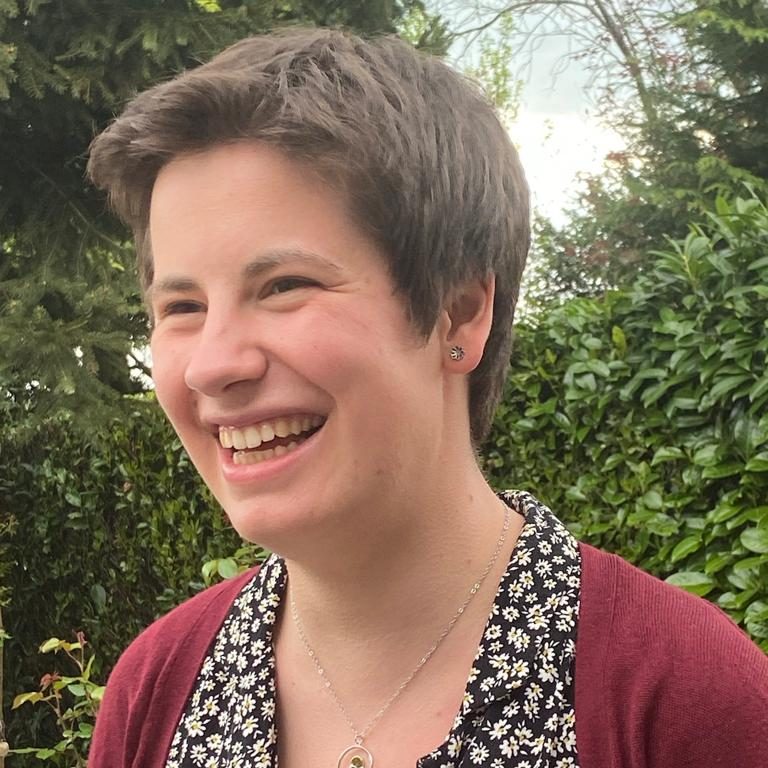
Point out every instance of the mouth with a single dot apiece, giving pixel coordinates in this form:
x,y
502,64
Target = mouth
x,y
270,439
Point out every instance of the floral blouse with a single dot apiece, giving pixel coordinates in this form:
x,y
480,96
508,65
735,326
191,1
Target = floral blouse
x,y
518,706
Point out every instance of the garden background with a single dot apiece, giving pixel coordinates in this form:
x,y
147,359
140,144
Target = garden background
x,y
637,401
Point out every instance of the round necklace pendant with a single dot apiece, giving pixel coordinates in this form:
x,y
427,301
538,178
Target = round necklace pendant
x,y
356,756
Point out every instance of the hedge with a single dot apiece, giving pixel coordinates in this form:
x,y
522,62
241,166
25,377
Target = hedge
x,y
111,531
641,417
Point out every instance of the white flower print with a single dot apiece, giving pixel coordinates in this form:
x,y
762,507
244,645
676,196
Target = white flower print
x,y
454,746
517,708
499,729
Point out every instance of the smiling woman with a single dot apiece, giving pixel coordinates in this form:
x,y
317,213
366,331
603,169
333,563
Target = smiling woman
x,y
331,234
288,313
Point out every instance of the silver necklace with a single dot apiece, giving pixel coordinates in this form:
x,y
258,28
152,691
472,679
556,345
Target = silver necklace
x,y
356,755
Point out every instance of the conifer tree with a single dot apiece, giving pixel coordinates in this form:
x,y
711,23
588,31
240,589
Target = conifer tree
x,y
71,320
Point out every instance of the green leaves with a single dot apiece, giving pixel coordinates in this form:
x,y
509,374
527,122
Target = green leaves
x,y
23,698
758,463
73,699
209,6
685,547
117,526
642,418
225,568
756,539
666,453
692,581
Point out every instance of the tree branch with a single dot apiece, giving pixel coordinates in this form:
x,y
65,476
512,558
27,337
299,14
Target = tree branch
x,y
631,61
145,369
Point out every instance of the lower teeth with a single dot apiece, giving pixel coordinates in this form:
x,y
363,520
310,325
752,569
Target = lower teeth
x,y
255,457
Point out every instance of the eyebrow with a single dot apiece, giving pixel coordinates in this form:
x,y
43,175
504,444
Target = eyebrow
x,y
264,262
272,258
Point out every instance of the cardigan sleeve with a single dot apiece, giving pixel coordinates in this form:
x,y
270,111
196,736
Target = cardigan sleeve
x,y
148,688
667,680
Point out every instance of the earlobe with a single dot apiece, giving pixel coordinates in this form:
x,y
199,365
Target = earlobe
x,y
469,314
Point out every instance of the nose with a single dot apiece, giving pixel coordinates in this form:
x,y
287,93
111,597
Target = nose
x,y
226,353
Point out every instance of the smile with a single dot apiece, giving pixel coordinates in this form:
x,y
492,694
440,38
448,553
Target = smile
x,y
268,439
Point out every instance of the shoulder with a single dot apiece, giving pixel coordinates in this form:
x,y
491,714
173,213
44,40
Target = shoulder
x,y
653,617
188,627
671,670
148,688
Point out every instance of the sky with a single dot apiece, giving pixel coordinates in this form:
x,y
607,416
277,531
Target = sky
x,y
555,147
554,132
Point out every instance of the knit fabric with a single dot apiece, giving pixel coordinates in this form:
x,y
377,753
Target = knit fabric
x,y
663,679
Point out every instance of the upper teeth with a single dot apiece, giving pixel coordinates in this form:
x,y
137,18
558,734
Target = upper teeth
x,y
254,435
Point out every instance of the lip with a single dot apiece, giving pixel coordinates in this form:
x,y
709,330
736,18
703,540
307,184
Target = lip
x,y
264,471
238,422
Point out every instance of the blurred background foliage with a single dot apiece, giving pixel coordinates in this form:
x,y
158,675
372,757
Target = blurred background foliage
x,y
111,530
641,416
636,403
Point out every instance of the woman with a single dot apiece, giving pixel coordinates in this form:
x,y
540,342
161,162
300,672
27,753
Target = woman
x,y
331,235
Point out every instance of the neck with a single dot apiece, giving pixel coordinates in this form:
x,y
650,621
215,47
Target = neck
x,y
386,597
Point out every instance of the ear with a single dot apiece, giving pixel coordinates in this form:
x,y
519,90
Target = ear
x,y
466,323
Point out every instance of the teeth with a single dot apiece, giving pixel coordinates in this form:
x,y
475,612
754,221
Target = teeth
x,y
256,457
253,458
254,435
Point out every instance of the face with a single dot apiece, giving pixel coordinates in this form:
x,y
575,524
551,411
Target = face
x,y
281,354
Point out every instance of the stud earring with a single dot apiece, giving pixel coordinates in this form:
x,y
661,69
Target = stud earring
x,y
457,353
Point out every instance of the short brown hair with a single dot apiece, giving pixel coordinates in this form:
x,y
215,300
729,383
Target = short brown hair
x,y
427,168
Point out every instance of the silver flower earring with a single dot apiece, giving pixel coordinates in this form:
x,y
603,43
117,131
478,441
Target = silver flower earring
x,y
457,353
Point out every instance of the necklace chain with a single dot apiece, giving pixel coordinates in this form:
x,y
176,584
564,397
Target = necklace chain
x,y
362,733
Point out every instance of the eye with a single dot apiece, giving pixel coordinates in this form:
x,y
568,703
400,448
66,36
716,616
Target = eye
x,y
180,308
285,284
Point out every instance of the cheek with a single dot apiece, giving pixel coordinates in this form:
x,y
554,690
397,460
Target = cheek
x,y
332,343
345,364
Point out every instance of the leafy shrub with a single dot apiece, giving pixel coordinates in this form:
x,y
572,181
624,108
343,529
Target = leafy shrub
x,y
74,701
111,530
641,417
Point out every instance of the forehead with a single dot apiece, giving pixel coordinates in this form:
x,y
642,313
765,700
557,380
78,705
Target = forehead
x,y
233,174
248,206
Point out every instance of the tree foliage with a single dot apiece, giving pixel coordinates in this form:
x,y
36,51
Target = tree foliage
x,y
111,531
707,138
642,417
685,83
71,319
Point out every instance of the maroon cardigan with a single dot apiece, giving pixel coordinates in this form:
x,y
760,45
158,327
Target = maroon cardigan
x,y
663,679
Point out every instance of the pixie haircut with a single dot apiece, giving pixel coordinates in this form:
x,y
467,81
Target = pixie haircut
x,y
426,168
